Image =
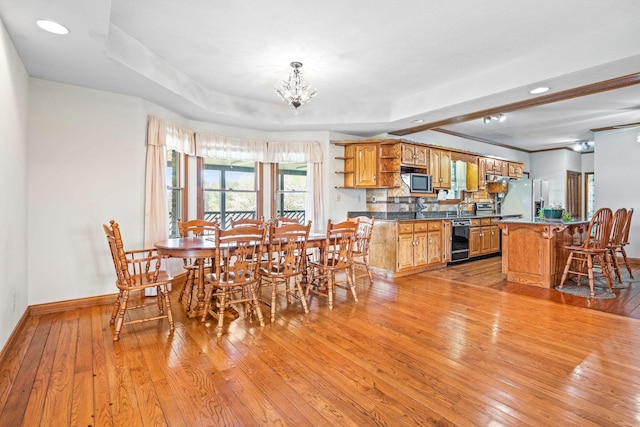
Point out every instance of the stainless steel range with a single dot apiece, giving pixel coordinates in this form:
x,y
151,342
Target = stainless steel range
x,y
460,239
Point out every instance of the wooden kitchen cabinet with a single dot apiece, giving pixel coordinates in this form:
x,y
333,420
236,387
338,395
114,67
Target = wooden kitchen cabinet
x,y
400,248
412,244
366,165
370,165
482,173
494,238
474,239
440,168
484,237
515,170
446,241
415,155
434,242
496,167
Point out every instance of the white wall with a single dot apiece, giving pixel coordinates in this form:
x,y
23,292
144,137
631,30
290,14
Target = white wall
x,y
86,158
86,166
552,166
13,175
617,177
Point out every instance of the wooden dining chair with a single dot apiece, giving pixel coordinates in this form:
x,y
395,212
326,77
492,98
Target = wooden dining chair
x,y
137,270
336,258
361,248
194,227
282,220
615,241
235,277
625,242
593,251
248,222
286,262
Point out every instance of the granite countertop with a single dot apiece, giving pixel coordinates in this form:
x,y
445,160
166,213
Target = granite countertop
x,y
412,216
541,222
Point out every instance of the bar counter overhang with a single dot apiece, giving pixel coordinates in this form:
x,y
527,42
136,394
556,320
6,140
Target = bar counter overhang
x,y
533,251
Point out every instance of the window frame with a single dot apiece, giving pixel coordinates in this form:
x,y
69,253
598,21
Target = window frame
x,y
275,179
200,190
182,173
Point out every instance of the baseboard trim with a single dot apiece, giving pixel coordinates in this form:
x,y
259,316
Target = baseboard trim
x,y
73,304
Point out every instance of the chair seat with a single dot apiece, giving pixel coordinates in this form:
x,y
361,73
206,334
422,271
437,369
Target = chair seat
x,y
146,280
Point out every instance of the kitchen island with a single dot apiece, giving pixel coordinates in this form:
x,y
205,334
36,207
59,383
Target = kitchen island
x,y
533,251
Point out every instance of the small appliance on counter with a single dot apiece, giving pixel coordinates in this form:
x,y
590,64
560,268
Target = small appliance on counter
x,y
485,209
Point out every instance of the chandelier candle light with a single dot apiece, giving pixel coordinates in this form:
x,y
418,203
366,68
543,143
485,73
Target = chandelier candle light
x,y
295,91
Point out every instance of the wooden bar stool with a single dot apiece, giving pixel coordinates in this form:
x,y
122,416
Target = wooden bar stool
x,y
593,250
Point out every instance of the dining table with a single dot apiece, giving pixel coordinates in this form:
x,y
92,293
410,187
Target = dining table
x,y
203,247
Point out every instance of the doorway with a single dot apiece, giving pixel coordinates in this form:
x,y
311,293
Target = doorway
x,y
574,194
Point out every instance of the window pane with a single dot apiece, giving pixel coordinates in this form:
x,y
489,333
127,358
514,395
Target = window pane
x,y
175,189
292,191
229,190
172,168
240,180
211,179
241,202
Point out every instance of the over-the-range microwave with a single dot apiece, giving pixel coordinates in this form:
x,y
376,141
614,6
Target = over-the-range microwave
x,y
418,182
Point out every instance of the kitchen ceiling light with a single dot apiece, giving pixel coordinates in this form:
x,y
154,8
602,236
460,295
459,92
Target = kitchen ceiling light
x,y
295,91
541,89
52,26
499,118
584,146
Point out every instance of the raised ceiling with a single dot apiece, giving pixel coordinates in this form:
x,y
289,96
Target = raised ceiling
x,y
378,65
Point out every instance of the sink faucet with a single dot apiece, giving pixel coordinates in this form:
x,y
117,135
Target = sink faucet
x,y
460,210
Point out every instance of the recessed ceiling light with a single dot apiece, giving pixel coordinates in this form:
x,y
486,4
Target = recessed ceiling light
x,y
417,121
52,26
541,89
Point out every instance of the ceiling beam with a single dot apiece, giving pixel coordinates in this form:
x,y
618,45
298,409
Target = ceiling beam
x,y
590,89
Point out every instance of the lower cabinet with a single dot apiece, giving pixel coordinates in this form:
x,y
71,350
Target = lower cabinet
x,y
400,248
446,241
484,238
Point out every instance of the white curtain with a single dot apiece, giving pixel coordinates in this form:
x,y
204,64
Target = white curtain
x,y
228,148
160,136
311,154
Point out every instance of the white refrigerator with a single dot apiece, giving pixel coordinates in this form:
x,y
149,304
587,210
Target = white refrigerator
x,y
525,197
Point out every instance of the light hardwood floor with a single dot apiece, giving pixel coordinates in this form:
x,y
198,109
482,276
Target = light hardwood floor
x,y
449,347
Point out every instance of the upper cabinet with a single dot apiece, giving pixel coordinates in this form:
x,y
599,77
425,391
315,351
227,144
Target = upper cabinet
x,y
366,165
440,168
414,155
377,163
515,170
370,165
496,167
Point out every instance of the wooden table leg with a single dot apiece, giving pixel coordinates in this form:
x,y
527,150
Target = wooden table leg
x,y
199,307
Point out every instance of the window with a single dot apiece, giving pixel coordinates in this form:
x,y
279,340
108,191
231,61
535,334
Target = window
x,y
290,190
589,194
230,190
175,189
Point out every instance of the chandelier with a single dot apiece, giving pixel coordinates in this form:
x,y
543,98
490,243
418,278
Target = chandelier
x,y
295,91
